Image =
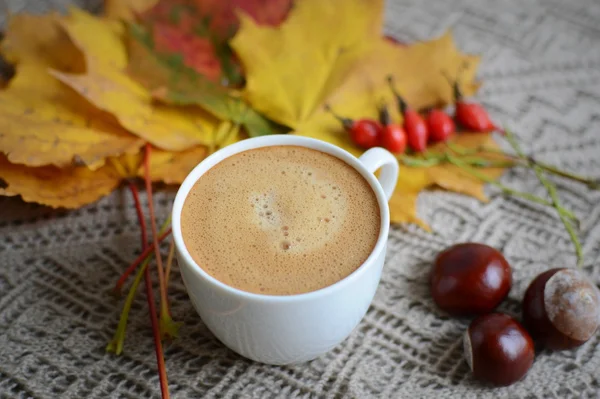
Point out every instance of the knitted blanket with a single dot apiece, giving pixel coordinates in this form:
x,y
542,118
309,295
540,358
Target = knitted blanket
x,y
541,74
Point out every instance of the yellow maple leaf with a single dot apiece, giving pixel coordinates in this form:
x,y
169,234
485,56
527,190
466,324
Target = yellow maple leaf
x,y
106,85
291,69
43,121
290,77
70,187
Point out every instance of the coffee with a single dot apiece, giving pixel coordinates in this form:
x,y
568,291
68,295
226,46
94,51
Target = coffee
x,y
280,220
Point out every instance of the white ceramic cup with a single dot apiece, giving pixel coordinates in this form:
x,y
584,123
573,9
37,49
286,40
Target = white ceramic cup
x,y
291,328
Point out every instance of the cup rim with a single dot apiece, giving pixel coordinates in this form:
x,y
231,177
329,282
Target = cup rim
x,y
269,141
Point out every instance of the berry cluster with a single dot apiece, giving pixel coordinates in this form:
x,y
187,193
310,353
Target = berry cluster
x,y
417,129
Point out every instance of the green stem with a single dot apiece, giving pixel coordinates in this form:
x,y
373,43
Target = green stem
x,y
480,162
551,188
593,184
438,159
414,162
460,150
530,161
464,166
527,161
116,344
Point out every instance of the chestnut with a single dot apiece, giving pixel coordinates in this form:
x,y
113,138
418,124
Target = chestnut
x,y
561,308
498,349
470,279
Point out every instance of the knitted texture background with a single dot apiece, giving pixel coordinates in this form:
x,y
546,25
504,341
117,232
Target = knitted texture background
x,y
541,74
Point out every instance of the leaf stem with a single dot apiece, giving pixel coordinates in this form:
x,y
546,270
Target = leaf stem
x,y
160,358
140,213
593,184
168,327
415,162
156,330
551,188
169,262
131,268
116,344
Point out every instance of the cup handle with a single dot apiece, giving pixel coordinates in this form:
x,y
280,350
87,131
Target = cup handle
x,y
376,158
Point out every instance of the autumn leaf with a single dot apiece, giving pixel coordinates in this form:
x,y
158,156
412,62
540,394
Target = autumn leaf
x,y
70,187
43,121
197,31
106,85
290,74
349,62
172,82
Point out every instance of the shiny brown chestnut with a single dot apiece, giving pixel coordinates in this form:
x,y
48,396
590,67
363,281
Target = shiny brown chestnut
x,y
470,279
561,309
498,349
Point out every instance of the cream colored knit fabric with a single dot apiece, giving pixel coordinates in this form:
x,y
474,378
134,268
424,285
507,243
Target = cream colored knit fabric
x,y
541,73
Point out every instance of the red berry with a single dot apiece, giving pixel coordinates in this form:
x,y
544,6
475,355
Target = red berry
x,y
393,138
416,130
366,133
473,117
440,124
414,124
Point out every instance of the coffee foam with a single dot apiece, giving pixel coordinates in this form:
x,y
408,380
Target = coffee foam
x,y
280,220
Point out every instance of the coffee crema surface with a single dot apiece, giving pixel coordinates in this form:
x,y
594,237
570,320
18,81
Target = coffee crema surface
x,y
280,220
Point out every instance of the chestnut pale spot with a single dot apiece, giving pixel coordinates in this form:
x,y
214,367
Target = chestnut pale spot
x,y
572,304
561,308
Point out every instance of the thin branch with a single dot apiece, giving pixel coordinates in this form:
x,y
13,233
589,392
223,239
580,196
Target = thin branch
x,y
168,327
551,188
472,171
131,268
169,262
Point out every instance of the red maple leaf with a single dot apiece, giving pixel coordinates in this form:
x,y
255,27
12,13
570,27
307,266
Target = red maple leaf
x,y
199,31
198,53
